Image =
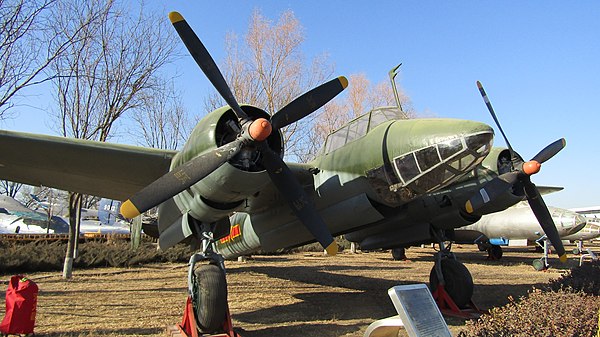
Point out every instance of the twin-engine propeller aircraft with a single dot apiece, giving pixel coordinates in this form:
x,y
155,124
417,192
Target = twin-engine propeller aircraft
x,y
386,181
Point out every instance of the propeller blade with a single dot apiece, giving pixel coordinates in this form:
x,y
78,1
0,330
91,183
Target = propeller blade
x,y
179,179
550,151
493,189
308,102
205,61
300,203
538,206
491,110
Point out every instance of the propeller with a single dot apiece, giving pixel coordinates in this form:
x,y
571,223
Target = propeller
x,y
521,173
252,131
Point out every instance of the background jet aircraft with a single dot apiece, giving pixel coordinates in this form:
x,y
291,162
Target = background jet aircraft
x,y
590,231
386,180
15,218
515,226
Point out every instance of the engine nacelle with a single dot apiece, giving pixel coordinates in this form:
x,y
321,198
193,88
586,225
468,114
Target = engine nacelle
x,y
225,190
498,160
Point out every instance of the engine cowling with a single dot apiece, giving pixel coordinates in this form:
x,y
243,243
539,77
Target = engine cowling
x,y
224,190
499,162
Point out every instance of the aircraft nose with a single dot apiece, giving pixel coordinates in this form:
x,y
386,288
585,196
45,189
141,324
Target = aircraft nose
x,y
440,151
574,223
480,142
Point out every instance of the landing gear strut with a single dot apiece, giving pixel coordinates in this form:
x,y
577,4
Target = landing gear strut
x,y
579,249
206,310
452,285
542,263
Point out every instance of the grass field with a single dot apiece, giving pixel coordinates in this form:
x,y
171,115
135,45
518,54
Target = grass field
x,y
303,294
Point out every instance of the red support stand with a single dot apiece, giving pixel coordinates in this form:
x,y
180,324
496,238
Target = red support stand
x,y
189,327
447,306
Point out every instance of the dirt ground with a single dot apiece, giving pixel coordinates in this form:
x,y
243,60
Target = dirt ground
x,y
304,294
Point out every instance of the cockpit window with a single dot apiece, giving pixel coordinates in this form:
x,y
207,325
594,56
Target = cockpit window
x,y
359,127
428,168
336,140
408,166
427,158
479,143
447,149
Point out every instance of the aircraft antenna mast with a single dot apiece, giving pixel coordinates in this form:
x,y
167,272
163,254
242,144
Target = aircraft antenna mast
x,y
393,74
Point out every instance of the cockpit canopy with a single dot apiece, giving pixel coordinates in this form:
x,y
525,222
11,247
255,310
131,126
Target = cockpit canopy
x,y
359,126
437,165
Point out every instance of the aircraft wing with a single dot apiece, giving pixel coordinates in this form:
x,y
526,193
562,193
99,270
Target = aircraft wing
x,y
549,189
592,210
89,167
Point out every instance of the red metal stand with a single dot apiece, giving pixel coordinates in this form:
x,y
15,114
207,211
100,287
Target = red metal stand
x,y
448,307
189,327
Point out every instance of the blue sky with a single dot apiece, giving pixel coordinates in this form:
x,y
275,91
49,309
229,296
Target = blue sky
x,y
539,62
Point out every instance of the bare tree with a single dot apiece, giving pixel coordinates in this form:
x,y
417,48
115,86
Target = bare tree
x,y
26,47
269,70
162,121
10,188
105,73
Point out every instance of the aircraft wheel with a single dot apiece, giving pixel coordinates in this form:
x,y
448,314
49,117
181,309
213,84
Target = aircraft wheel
x,y
459,283
399,254
576,251
495,252
210,303
538,265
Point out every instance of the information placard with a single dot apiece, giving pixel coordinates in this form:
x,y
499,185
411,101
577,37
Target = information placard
x,y
418,311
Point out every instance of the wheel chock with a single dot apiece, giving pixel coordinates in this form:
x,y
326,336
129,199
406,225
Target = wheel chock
x,y
189,327
447,306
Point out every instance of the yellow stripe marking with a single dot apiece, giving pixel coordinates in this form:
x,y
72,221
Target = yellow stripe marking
x,y
332,249
175,17
469,207
563,258
343,81
129,210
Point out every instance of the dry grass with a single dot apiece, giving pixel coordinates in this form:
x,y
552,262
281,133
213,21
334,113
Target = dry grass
x,y
288,295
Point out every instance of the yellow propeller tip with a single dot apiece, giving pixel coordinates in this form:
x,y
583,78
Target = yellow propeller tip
x,y
563,258
343,81
175,17
469,207
332,249
129,210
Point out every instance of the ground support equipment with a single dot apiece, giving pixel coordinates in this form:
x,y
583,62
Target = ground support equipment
x,y
449,308
189,328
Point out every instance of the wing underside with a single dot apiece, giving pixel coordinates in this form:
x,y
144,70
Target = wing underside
x,y
95,168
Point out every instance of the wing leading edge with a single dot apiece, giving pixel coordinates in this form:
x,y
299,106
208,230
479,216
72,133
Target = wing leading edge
x,y
96,168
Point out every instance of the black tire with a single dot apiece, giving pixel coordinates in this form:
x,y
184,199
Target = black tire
x,y
210,303
399,254
459,283
495,252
